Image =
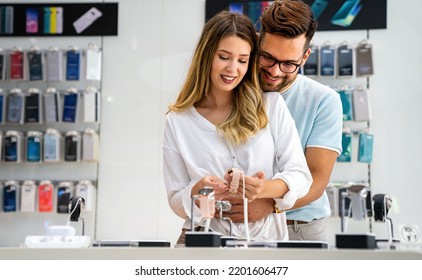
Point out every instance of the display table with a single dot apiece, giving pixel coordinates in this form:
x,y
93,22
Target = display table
x,y
204,254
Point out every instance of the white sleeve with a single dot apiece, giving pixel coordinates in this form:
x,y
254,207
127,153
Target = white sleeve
x,y
291,164
176,177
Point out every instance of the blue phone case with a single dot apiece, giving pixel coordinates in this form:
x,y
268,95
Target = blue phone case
x,y
10,149
366,142
70,105
33,149
72,65
9,198
346,143
327,54
346,101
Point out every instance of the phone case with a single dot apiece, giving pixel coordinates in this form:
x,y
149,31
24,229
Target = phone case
x,y
28,191
346,143
2,67
72,147
16,65
52,147
93,65
8,20
346,101
344,61
33,149
64,193
15,104
32,20
1,109
70,106
32,108
86,20
364,65
310,68
10,198
35,65
51,107
327,61
54,65
46,20
72,65
45,197
59,20
366,142
13,146
91,107
347,13
318,7
361,109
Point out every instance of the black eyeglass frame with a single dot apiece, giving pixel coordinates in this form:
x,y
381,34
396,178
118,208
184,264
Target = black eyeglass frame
x,y
280,62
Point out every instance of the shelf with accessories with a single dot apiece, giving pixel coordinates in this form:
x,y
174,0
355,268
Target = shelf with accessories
x,y
347,68
49,135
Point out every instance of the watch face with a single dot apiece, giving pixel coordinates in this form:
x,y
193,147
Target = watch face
x,y
205,191
410,234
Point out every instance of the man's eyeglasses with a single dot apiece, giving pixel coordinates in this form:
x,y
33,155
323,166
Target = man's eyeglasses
x,y
267,60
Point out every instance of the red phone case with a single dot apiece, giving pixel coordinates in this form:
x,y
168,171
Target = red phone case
x,y
16,65
45,198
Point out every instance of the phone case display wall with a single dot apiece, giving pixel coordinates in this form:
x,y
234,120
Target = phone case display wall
x,y
347,68
49,136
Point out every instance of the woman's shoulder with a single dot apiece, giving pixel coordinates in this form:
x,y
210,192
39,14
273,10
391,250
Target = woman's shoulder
x,y
273,99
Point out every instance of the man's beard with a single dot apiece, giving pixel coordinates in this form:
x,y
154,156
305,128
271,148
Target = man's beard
x,y
284,82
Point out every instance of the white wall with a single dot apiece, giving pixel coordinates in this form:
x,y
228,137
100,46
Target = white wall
x,y
144,67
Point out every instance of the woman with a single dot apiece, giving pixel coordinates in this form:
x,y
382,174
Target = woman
x,y
221,120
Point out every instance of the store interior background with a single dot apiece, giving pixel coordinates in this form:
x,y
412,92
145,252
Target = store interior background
x,y
143,70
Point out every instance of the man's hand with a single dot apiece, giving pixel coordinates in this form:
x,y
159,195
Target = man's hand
x,y
257,209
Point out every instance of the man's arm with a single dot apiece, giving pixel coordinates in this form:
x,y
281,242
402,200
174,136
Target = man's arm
x,y
321,163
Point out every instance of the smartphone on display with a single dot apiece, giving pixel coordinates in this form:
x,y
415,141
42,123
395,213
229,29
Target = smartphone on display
x,y
32,25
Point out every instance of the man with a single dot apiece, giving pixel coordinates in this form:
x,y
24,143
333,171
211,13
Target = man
x,y
287,28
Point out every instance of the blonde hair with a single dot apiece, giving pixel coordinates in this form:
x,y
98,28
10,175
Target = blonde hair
x,y
248,114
